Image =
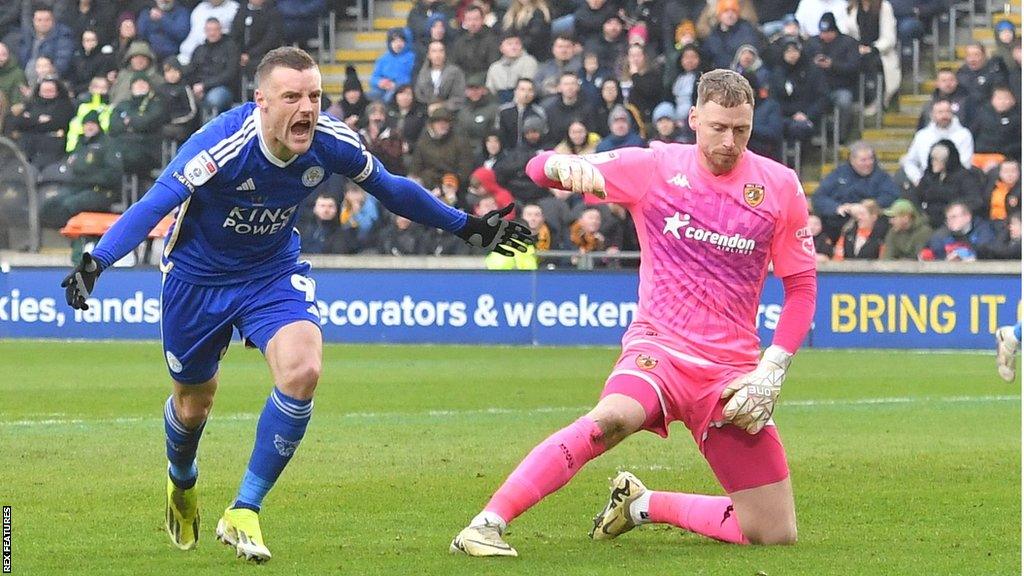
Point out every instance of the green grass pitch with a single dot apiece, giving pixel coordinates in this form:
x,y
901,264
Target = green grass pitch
x,y
903,464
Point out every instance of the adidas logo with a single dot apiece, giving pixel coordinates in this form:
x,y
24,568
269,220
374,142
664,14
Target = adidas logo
x,y
248,185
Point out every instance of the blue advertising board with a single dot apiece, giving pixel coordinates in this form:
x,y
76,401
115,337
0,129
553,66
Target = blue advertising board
x,y
546,308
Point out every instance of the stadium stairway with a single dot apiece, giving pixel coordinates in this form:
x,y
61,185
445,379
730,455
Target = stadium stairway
x,y
362,48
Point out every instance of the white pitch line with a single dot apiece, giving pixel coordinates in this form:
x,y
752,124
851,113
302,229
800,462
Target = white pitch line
x,y
244,417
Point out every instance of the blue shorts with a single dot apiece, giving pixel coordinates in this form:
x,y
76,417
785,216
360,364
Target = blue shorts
x,y
197,321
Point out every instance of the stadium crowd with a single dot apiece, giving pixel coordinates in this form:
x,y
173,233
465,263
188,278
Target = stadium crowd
x,y
469,90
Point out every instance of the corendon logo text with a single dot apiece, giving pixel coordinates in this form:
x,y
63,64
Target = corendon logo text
x,y
680,227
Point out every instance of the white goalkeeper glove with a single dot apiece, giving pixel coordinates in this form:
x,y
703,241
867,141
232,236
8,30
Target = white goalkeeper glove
x,y
753,394
575,174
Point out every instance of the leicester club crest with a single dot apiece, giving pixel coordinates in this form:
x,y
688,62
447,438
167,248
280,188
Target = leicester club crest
x,y
645,362
312,176
753,194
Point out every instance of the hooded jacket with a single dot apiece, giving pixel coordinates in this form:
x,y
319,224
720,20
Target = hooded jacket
x,y
215,64
166,34
936,191
11,77
88,65
915,162
489,182
845,56
845,186
800,88
906,244
394,66
122,89
476,119
721,45
474,53
257,32
59,109
996,132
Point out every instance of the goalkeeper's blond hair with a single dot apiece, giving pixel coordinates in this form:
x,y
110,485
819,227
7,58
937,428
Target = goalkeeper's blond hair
x,y
725,88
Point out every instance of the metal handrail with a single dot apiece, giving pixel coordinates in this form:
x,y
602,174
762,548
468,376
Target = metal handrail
x,y
34,230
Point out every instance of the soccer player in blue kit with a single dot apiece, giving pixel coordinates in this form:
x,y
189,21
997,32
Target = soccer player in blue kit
x,y
231,261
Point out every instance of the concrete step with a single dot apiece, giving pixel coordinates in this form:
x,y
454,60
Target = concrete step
x,y
395,9
961,51
386,22
914,100
882,152
810,187
1011,16
983,34
954,64
884,134
928,86
899,121
352,40
352,56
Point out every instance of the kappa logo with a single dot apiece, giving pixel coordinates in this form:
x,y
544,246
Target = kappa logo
x,y
285,447
753,194
246,186
680,180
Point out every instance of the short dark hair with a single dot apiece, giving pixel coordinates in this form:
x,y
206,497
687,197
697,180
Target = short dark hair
x,y
473,8
285,57
212,19
525,79
565,36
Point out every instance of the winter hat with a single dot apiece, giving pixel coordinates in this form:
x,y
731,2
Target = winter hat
x,y
450,179
792,41
619,112
664,110
638,34
91,116
351,80
535,124
901,207
1005,25
828,23
476,80
395,33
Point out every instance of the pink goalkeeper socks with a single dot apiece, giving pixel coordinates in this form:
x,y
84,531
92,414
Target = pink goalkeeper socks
x,y
547,468
712,516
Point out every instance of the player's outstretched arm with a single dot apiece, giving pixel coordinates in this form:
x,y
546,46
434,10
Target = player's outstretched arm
x,y
407,198
566,172
128,232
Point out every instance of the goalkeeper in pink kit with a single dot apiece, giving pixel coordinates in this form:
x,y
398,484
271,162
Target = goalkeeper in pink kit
x,y
711,218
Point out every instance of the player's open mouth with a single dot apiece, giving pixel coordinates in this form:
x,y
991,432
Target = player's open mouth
x,y
301,129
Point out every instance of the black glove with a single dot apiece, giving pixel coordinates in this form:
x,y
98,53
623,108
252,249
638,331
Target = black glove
x,y
492,231
78,285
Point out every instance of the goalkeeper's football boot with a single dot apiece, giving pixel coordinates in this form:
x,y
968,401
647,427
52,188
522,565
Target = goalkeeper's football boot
x,y
615,519
182,515
1006,353
240,528
481,540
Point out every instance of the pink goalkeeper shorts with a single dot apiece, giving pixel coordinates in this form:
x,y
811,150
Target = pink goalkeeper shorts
x,y
672,385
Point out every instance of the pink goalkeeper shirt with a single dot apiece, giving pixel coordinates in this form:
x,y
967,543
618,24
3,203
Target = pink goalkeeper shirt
x,y
707,242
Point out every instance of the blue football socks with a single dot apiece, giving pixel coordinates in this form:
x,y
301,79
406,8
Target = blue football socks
x,y
182,444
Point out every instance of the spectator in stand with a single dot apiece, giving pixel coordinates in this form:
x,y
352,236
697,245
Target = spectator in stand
x,y
180,101
665,128
359,215
645,81
419,19
477,47
996,130
402,237
44,69
1001,192
585,234
1006,245
165,26
533,215
578,140
859,179
511,118
838,58
352,105
447,191
620,132
766,135
439,82
568,106
322,235
394,68
611,45
483,183
13,83
41,126
943,125
46,38
301,19
959,237
708,18
382,140
1006,39
684,87
214,70
127,34
748,63
863,236
1014,70
772,14
549,74
873,24
948,88
135,127
809,13
909,26
440,151
531,21
979,73
94,182
823,247
256,30
589,19
223,11
477,116
10,14
514,64
98,15
678,26
799,87
908,232
790,30
90,60
407,116
437,31
729,33
492,151
511,169
139,58
946,181
95,100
